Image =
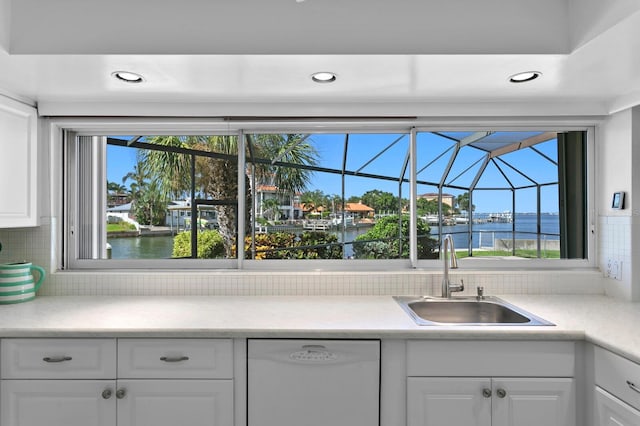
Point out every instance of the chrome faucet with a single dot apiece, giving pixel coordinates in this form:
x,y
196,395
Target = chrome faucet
x,y
452,262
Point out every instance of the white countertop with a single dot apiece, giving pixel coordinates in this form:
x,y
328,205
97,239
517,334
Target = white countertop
x,y
598,319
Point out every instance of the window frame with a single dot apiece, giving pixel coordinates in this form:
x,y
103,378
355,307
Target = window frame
x,y
61,129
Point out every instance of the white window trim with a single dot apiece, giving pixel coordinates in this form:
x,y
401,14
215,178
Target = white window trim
x,y
193,126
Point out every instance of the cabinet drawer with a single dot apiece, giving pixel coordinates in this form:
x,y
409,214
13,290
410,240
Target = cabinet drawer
x,y
58,358
490,358
618,375
175,358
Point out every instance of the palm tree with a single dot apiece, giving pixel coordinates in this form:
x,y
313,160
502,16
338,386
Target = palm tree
x,y
138,179
315,201
337,203
217,177
290,149
271,208
169,169
115,188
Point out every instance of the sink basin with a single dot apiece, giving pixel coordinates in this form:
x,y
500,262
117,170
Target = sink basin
x,y
466,311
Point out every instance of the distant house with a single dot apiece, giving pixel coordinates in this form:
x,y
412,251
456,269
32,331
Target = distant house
x,y
310,208
118,199
179,215
359,210
289,207
447,199
122,211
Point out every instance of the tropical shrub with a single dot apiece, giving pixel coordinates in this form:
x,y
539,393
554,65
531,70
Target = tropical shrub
x,y
287,245
210,245
383,241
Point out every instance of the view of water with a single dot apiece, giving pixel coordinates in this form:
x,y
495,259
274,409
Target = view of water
x,y
141,247
485,233
160,247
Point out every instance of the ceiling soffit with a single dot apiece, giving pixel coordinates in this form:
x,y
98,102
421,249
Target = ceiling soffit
x,y
289,27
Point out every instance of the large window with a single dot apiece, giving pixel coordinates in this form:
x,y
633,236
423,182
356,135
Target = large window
x,y
247,197
497,192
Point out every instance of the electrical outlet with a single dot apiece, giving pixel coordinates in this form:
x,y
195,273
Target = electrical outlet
x,y
613,269
607,269
617,270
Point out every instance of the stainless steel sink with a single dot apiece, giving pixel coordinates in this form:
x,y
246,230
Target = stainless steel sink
x,y
466,311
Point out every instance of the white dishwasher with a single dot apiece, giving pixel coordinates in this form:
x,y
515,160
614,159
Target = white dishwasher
x,y
313,382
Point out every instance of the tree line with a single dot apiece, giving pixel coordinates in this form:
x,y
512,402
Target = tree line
x,y
381,202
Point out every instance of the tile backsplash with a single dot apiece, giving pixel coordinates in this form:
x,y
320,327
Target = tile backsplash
x,y
34,244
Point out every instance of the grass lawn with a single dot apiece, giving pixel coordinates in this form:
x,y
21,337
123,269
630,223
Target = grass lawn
x,y
527,254
120,227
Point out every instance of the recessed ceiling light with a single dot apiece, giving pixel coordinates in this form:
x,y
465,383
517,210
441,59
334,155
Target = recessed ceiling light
x,y
523,77
127,76
323,77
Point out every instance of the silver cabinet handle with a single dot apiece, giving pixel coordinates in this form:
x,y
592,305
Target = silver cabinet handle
x,y
121,393
486,392
314,347
501,393
56,358
106,394
633,386
174,359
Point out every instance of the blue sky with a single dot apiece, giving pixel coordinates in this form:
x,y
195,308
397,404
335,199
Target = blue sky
x,y
384,154
120,161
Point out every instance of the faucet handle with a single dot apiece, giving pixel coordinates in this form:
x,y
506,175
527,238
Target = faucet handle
x,y
480,291
456,287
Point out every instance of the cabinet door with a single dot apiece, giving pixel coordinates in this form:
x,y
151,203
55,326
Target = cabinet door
x,y
18,164
448,401
58,403
533,402
610,411
175,402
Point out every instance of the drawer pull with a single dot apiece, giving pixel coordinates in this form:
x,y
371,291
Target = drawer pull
x,y
633,386
174,358
56,358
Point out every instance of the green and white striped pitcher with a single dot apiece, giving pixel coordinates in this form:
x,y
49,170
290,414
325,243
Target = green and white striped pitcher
x,y
16,282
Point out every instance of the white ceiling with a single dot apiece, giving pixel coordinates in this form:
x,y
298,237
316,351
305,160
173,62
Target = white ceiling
x,y
255,57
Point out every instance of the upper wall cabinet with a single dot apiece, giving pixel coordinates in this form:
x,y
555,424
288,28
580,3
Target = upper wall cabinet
x,y
18,164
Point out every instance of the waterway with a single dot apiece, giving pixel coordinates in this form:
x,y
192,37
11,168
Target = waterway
x,y
160,247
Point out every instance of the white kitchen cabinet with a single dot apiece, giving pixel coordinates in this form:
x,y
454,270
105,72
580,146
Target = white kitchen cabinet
x,y
610,411
18,164
175,402
58,358
136,402
490,383
58,382
175,358
440,401
175,381
617,390
58,403
68,382
533,402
